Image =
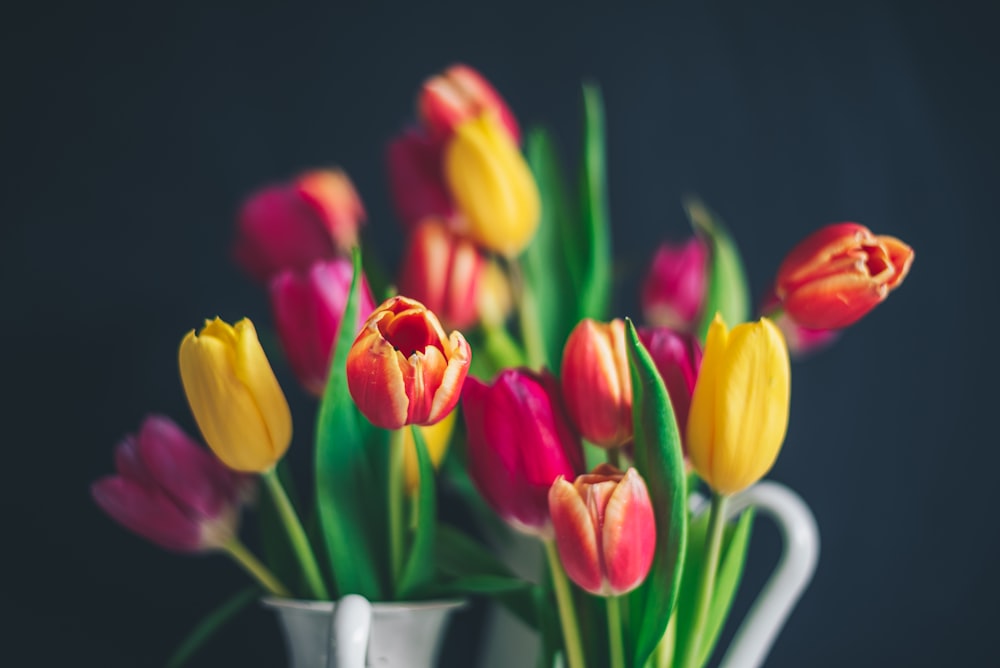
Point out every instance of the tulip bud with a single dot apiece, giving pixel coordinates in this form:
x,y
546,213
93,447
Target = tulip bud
x,y
457,95
739,411
839,273
492,186
605,529
519,442
443,270
171,491
235,398
416,178
403,369
308,308
292,225
677,358
673,292
436,437
596,383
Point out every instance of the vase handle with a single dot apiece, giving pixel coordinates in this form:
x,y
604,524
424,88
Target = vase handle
x,y
349,630
795,569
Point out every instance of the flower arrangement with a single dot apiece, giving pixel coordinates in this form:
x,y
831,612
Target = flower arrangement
x,y
586,432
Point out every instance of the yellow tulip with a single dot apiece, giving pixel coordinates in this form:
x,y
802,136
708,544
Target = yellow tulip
x,y
739,411
235,398
492,185
436,438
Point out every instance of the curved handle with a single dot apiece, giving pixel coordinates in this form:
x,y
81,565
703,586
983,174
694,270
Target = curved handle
x,y
795,569
349,630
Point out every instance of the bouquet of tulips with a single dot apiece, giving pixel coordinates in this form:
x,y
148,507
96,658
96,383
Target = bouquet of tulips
x,y
587,432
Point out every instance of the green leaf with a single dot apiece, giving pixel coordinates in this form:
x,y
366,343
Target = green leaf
x,y
211,623
728,293
343,474
553,263
735,541
595,287
660,461
418,570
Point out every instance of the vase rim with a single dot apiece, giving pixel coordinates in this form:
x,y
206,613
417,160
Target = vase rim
x,y
381,606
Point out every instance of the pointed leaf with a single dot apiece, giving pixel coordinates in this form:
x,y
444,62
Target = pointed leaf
x,y
728,293
553,263
595,288
660,461
418,570
343,474
211,623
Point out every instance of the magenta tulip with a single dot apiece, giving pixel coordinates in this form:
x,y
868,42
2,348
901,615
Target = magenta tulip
x,y
289,226
673,292
416,178
171,491
677,357
519,442
308,308
605,529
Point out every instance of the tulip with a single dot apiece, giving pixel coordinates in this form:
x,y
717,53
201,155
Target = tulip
x,y
492,186
802,341
596,383
234,395
443,270
416,178
677,358
673,293
314,217
171,491
457,95
308,308
519,442
436,438
739,411
402,369
838,274
605,529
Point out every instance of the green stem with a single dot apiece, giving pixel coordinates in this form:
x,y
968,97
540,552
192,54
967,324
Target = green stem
x,y
397,523
614,456
567,612
296,535
252,565
706,584
527,315
615,641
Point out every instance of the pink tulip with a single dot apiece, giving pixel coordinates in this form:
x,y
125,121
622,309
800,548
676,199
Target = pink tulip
x,y
171,491
443,270
677,358
457,95
290,226
519,442
673,292
416,178
308,308
605,529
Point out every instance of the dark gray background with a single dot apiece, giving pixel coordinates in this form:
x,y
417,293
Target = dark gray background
x,y
131,133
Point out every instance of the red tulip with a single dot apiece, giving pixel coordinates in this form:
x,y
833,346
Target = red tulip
x,y
308,308
677,358
519,442
171,491
403,369
416,178
673,292
605,529
802,341
442,270
596,383
456,95
290,226
838,274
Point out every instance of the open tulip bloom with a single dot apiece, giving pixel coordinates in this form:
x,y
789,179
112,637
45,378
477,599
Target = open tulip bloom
x,y
538,407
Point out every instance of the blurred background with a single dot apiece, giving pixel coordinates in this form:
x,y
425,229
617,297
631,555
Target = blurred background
x,y
131,134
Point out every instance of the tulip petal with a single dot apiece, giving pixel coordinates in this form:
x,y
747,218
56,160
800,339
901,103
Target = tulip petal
x,y
148,513
901,257
628,538
702,417
576,536
253,369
